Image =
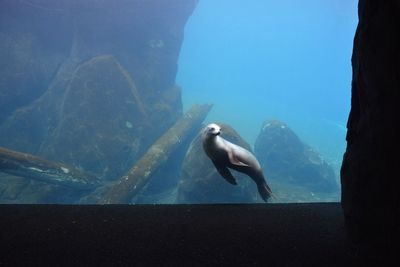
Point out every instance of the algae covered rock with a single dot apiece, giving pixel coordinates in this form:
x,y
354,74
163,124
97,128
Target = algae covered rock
x,y
102,120
287,160
201,183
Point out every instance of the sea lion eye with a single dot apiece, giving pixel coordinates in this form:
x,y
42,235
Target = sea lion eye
x,y
212,129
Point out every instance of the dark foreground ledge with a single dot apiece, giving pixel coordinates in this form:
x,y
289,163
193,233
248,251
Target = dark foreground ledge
x,y
174,235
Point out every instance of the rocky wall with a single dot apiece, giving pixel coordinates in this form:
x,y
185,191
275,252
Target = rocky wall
x,y
88,83
369,174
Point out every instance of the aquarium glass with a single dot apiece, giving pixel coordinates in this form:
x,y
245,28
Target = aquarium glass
x,y
109,101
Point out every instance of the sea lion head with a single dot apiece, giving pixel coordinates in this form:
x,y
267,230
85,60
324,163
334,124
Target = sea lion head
x,y
212,129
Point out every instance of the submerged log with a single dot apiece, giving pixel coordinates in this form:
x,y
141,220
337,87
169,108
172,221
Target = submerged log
x,y
33,167
139,175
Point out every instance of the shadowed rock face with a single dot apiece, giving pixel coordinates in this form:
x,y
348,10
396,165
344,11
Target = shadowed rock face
x,y
33,45
102,125
89,83
369,174
201,183
285,159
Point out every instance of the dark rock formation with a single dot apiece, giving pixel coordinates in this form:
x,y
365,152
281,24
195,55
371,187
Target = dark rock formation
x,y
201,183
98,79
369,174
286,160
33,44
102,124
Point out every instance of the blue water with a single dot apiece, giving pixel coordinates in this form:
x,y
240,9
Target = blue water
x,y
288,60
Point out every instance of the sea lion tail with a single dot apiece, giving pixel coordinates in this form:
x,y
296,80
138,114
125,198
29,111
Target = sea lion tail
x,y
264,191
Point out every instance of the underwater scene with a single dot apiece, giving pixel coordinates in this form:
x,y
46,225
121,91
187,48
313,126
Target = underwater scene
x,y
174,102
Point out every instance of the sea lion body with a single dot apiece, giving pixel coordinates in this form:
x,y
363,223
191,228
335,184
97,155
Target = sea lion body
x,y
225,154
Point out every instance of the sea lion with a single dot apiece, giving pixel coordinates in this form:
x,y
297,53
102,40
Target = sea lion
x,y
225,154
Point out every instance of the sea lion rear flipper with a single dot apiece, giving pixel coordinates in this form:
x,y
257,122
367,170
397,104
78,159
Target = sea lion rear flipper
x,y
265,191
224,171
234,160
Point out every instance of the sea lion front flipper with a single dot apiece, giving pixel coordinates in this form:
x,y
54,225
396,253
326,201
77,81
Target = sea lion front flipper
x,y
234,160
224,171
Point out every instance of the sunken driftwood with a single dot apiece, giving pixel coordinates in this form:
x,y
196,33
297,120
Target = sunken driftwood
x,y
139,175
33,167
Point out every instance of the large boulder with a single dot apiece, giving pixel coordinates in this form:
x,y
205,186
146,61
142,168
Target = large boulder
x,y
288,161
201,183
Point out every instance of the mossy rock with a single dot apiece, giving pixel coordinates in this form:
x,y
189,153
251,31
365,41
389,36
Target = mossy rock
x,y
102,120
287,160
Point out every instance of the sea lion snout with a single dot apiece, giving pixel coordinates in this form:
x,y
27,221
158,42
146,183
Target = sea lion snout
x,y
213,129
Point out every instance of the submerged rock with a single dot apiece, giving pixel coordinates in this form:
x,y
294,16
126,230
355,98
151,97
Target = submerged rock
x,y
289,161
28,61
201,183
93,132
